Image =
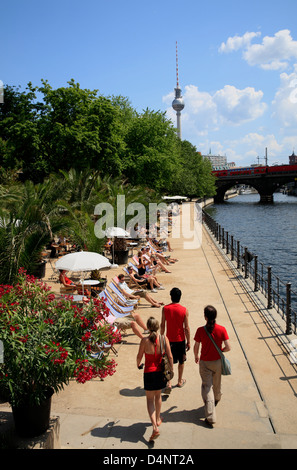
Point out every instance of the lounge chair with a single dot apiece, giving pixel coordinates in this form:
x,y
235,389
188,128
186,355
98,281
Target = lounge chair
x,y
127,309
133,266
134,282
116,310
119,294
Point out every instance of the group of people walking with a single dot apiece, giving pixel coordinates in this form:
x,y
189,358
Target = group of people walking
x,y
175,323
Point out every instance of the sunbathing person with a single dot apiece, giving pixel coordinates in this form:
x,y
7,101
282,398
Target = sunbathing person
x,y
154,262
165,259
144,280
69,283
144,264
157,244
131,294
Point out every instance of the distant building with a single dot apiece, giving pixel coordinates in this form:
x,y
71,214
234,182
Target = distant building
x,y
216,160
293,159
219,162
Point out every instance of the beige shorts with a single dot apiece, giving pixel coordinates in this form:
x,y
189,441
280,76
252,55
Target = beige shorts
x,y
141,293
124,322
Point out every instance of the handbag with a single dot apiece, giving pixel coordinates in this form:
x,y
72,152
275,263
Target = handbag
x,y
226,366
166,368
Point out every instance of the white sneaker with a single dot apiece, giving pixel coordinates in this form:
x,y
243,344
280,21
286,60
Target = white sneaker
x,y
153,290
161,288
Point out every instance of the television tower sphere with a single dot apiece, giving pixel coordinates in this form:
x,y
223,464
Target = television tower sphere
x,y
178,102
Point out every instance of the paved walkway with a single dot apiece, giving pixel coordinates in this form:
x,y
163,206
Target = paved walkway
x,y
258,408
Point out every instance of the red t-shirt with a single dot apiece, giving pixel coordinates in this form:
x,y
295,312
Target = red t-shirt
x,y
208,351
175,316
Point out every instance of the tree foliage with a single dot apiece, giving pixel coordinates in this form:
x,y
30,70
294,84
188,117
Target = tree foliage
x,y
44,130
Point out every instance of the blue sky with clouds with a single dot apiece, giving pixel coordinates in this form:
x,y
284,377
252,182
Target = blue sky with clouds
x,y
237,63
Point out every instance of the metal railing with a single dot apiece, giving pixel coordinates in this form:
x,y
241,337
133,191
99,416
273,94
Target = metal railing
x,y
279,294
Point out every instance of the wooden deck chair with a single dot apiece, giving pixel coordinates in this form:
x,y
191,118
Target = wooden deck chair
x,y
134,282
136,260
120,308
55,272
102,348
121,296
131,282
133,266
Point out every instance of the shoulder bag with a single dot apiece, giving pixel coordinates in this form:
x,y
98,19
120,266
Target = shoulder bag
x,y
167,371
226,366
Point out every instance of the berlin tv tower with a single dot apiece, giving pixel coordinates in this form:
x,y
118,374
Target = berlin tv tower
x,y
178,102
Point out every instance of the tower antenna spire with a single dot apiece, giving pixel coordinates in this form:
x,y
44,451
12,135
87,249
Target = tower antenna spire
x,y
177,83
178,102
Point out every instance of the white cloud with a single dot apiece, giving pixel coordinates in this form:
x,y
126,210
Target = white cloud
x,y
237,42
209,112
238,106
274,53
284,105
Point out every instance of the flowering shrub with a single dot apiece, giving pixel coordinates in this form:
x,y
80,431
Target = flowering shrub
x,y
48,341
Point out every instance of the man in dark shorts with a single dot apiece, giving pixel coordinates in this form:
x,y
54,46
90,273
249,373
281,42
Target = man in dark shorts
x,y
176,319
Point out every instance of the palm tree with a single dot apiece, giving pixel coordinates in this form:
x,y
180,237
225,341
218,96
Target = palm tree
x,y
28,219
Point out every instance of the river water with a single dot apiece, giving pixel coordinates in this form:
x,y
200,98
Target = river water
x,y
269,231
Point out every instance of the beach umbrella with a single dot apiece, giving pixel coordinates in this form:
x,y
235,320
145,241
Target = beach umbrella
x,y
82,261
116,232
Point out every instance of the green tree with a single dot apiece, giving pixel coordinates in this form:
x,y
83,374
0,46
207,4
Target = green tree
x,y
193,175
151,154
20,142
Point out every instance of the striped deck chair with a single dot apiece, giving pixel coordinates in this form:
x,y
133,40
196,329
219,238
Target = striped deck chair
x,y
119,294
133,266
120,308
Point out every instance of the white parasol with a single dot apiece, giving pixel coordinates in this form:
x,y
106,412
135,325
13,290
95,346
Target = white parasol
x,y
82,261
116,232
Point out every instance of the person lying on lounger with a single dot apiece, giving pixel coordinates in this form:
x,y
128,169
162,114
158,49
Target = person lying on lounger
x,y
131,294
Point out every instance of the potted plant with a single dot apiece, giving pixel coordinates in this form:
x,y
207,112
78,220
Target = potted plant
x,y
47,342
97,276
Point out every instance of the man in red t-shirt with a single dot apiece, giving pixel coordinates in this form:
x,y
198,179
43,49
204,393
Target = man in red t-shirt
x,y
176,319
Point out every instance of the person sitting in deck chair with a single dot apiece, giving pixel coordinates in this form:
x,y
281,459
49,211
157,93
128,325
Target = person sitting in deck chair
x,y
144,280
68,283
131,294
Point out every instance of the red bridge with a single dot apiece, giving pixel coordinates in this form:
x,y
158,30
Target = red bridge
x,y
265,179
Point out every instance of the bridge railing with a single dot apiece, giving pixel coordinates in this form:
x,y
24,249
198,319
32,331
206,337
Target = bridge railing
x,y
278,294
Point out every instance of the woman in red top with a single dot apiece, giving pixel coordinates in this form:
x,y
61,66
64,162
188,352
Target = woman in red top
x,y
210,361
68,282
153,377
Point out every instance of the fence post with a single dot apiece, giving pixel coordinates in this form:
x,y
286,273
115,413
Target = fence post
x,y
232,248
256,273
238,254
288,310
227,243
223,238
245,263
269,287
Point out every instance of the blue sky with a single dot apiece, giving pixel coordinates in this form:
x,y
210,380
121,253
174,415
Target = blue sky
x,y
237,63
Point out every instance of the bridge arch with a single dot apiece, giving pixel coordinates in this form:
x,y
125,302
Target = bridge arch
x,y
265,190
265,179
